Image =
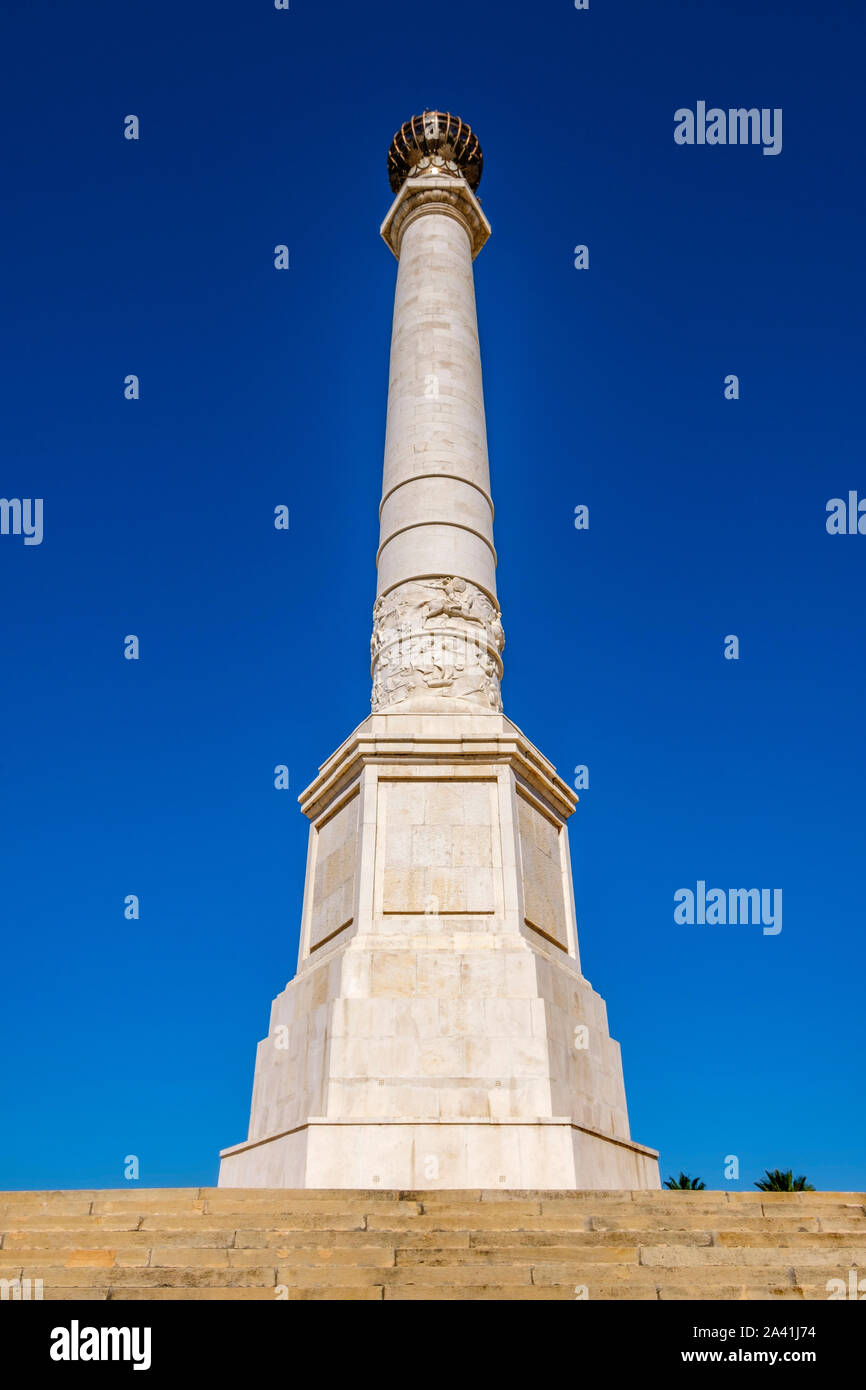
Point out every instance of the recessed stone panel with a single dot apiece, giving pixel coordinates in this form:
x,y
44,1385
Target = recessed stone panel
x,y
334,879
436,847
543,890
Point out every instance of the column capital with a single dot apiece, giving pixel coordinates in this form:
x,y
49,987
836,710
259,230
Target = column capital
x,y
444,193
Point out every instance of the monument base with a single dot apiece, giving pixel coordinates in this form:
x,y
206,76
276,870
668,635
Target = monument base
x,y
439,1031
549,1153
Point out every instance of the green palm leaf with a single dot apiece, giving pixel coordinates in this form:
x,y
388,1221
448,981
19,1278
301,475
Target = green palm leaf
x,y
775,1180
684,1184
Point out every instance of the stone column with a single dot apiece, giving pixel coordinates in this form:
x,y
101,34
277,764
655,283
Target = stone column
x,y
439,1032
437,632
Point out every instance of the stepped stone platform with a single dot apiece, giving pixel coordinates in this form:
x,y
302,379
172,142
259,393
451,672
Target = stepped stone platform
x,y
232,1243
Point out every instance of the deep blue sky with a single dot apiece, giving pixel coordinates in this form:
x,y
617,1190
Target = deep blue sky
x,y
605,387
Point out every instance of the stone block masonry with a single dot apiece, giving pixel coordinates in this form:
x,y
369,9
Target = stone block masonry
x,y
260,1244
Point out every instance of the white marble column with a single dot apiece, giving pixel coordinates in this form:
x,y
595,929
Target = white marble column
x,y
439,1032
437,628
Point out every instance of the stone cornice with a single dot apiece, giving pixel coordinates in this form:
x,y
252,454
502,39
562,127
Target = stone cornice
x,y
432,740
443,193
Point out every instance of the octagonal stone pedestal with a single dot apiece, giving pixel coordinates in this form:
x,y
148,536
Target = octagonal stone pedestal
x,y
438,1033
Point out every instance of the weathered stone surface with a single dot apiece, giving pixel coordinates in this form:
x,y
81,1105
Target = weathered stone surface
x,y
412,1245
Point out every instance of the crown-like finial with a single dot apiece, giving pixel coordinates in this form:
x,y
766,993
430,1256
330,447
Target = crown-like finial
x,y
434,140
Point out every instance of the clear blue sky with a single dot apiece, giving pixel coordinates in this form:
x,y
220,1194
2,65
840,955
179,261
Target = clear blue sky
x,y
605,387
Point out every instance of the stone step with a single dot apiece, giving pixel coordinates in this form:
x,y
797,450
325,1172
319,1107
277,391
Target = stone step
x,y
56,1246
232,1244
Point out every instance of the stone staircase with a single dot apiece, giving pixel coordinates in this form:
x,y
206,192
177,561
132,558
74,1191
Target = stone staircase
x,y
224,1243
